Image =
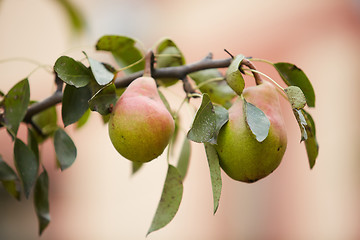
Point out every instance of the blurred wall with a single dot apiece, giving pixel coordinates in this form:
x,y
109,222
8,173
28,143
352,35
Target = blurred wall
x,y
98,198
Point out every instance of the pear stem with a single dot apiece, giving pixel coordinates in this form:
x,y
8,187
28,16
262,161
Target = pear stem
x,y
258,79
149,63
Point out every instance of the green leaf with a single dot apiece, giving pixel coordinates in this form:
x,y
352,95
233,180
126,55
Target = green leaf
x,y
64,148
26,165
75,103
84,118
257,121
204,124
72,72
311,144
222,117
123,50
15,105
46,121
215,173
136,167
33,143
13,188
41,201
6,172
296,97
294,76
233,75
104,100
184,158
212,82
170,200
168,55
102,75
302,123
9,179
76,19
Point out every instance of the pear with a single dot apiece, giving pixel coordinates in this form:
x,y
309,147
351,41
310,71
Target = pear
x,y
140,125
241,156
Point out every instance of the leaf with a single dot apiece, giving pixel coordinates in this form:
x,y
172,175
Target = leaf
x,y
104,100
72,72
215,173
64,148
170,200
233,75
102,75
32,143
294,76
302,123
9,179
168,55
46,121
311,144
296,97
123,50
76,19
15,104
257,121
222,117
41,201
26,165
204,124
136,167
84,118
184,158
209,82
75,103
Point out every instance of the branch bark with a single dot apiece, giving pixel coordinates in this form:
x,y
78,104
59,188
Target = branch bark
x,y
179,72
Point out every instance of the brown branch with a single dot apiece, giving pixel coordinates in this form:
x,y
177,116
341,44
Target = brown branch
x,y
179,72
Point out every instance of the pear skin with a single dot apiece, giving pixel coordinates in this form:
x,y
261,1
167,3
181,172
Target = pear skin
x,y
241,156
140,126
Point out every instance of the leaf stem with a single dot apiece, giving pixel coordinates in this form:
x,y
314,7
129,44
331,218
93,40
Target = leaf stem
x,y
209,81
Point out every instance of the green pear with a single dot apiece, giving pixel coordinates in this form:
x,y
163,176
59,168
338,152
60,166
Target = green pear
x,y
140,126
241,156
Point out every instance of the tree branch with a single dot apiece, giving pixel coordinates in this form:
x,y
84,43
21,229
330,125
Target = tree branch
x,y
179,72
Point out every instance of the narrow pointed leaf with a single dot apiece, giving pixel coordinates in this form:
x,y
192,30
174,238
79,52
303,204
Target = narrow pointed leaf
x,y
74,15
104,100
102,75
83,120
72,72
311,144
32,143
294,76
302,123
170,200
6,172
184,158
64,148
136,166
215,173
233,75
9,179
222,116
15,105
204,124
123,50
257,121
41,201
75,103
26,165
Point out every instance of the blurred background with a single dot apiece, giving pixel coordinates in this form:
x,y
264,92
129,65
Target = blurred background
x,y
97,198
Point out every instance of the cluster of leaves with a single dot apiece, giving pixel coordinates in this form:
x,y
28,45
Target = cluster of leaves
x,y
92,87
